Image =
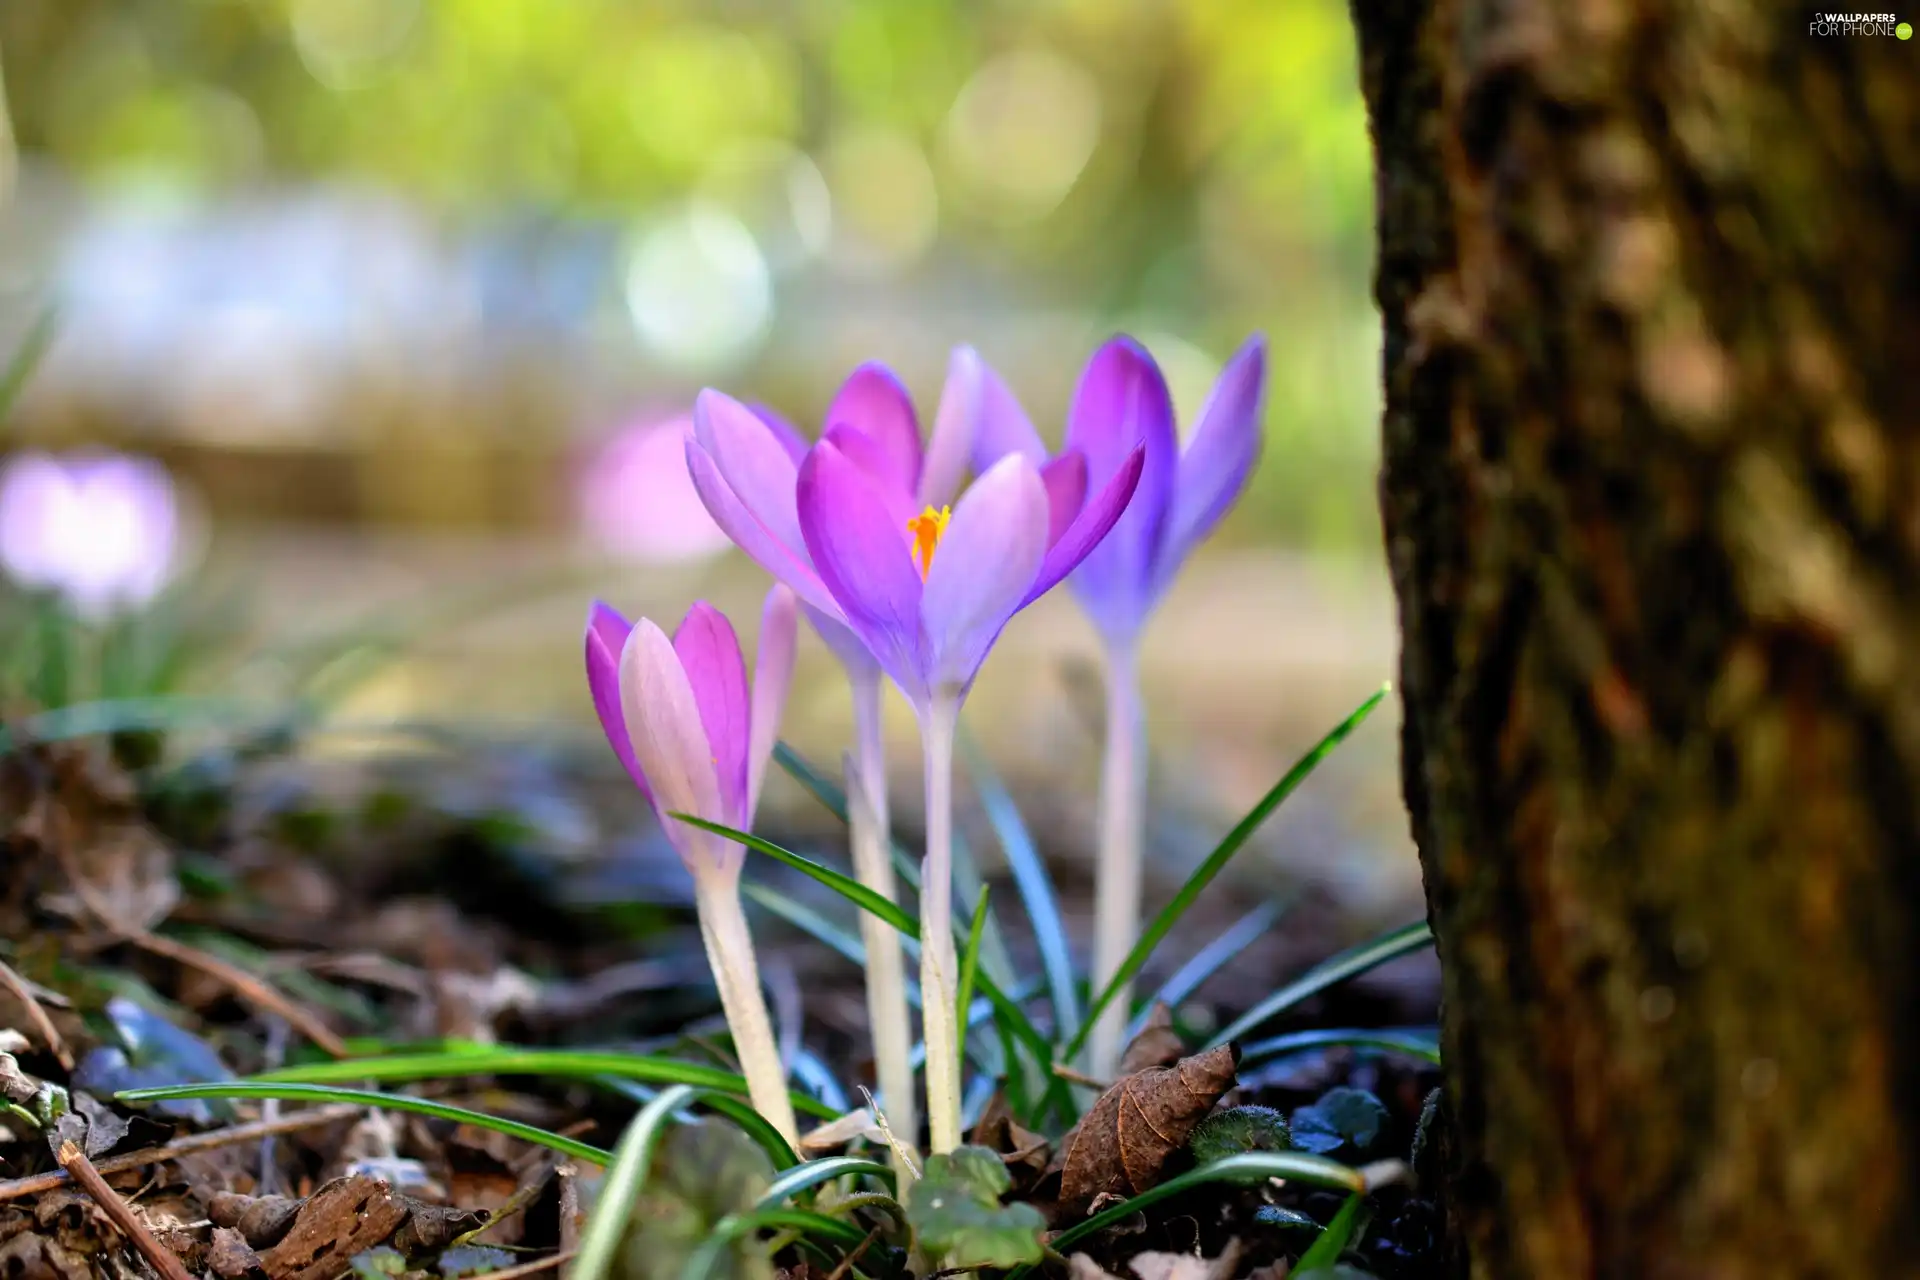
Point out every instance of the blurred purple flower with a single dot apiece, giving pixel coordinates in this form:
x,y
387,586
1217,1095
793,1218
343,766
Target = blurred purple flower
x,y
851,524
101,529
636,501
1120,408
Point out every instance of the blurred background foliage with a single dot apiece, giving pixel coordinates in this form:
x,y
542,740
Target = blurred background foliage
x,y
391,261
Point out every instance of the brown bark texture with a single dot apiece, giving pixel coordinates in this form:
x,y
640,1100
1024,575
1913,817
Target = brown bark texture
x,y
1650,278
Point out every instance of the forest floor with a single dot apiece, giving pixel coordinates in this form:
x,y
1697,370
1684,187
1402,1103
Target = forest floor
x,y
261,903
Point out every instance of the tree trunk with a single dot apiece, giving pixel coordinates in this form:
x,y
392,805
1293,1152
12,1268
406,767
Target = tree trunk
x,y
1650,275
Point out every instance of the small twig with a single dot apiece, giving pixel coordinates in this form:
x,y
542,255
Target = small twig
x,y
189,1145
244,984
1071,1076
37,1015
846,1263
81,1170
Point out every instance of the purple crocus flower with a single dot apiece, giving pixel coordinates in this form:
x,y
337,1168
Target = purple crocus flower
x,y
101,529
852,526
695,738
1120,407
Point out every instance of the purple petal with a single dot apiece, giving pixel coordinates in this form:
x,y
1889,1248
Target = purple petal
x,y
1122,403
983,568
862,556
772,674
607,634
789,564
1218,458
1003,427
1066,481
753,462
663,721
785,432
1093,523
710,655
874,403
955,424
862,450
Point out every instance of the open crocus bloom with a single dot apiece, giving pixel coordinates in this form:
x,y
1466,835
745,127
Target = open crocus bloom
x,y
1120,408
682,719
863,529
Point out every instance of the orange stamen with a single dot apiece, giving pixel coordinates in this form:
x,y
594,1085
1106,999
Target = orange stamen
x,y
926,528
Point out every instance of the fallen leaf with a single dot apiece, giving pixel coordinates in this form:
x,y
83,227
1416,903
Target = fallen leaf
x,y
1122,1145
34,1257
1081,1267
1018,1146
1157,1045
344,1218
1170,1266
262,1221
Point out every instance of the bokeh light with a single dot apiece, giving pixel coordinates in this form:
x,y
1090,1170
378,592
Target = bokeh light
x,y
636,500
700,290
101,530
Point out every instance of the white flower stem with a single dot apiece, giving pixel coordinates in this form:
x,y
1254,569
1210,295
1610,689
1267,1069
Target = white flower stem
x,y
1123,795
939,966
723,927
887,1009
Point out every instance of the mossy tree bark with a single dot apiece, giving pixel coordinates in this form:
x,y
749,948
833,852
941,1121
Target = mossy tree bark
x,y
1650,276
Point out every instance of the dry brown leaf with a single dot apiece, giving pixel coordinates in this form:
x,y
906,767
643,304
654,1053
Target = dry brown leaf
x,y
345,1217
1123,1143
1157,1045
230,1256
1025,1152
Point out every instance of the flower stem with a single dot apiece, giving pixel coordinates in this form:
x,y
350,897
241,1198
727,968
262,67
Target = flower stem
x,y
887,1010
939,966
1122,818
723,927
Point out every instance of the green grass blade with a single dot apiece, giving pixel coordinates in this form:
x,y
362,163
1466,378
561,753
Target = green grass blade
x,y
1252,1167
1331,1243
1414,1042
1329,972
367,1098
1215,862
968,886
566,1063
738,1110
814,1172
625,1177
1030,877
970,959
27,357
166,713
833,798
867,900
734,1225
1209,960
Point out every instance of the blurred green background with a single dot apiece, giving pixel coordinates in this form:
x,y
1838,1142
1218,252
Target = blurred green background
x,y
376,279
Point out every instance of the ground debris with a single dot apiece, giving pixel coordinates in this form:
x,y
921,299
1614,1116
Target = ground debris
x,y
1123,1143
345,1217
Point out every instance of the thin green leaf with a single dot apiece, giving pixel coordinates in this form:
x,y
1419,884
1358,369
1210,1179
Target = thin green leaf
x,y
833,797
367,1098
866,899
738,1110
1329,972
1215,862
625,1176
1209,960
1031,878
568,1063
970,959
735,1225
27,357
1332,1242
126,715
1415,1042
814,1172
1253,1167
